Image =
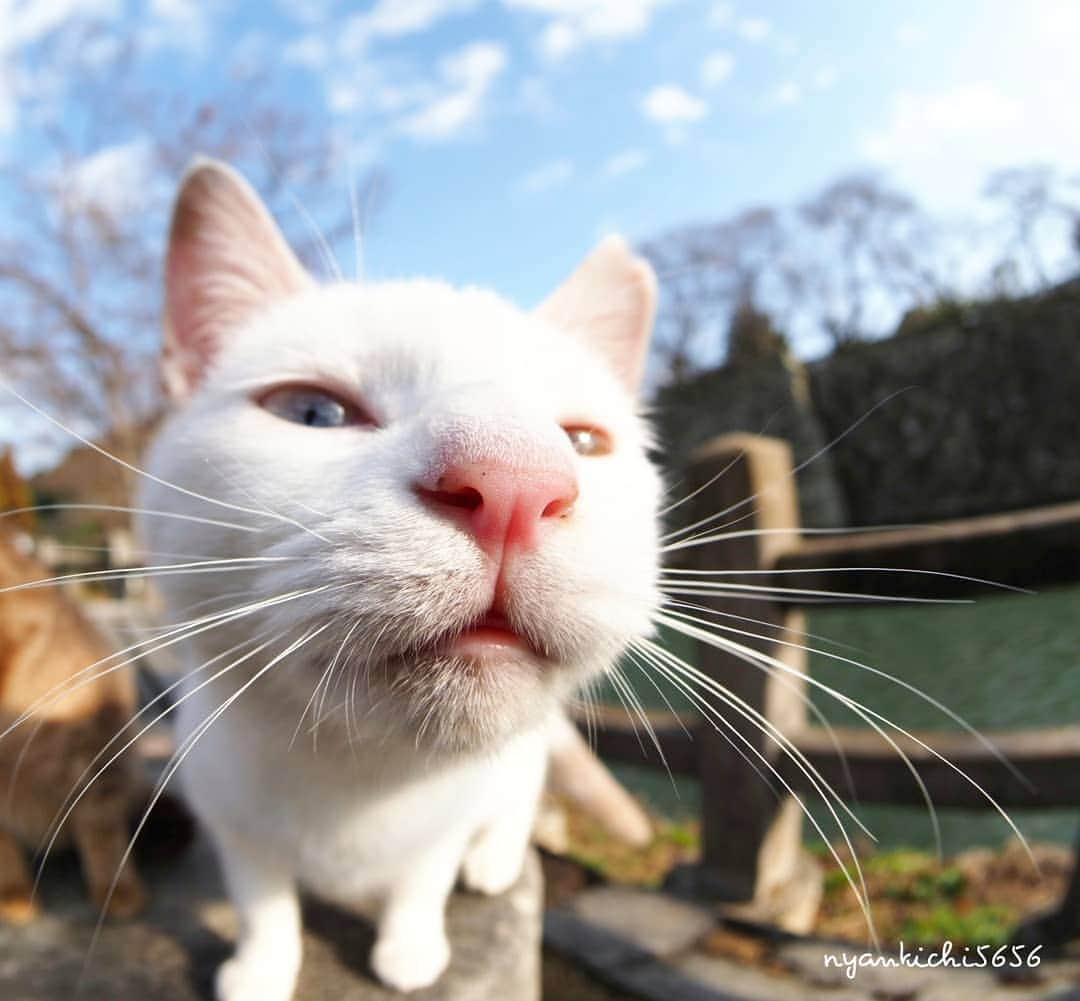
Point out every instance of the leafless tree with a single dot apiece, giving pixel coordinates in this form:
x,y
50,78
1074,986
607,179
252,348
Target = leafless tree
x,y
86,209
705,273
1033,199
870,244
856,252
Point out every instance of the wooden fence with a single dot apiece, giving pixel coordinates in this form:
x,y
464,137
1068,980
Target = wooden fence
x,y
751,847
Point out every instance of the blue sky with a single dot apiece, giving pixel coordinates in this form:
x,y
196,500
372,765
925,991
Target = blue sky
x,y
515,133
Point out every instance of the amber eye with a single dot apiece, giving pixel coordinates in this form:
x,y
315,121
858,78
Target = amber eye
x,y
588,440
313,407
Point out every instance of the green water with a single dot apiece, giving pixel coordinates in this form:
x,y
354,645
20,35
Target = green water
x,y
1000,662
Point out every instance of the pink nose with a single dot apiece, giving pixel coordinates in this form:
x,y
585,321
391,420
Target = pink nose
x,y
503,508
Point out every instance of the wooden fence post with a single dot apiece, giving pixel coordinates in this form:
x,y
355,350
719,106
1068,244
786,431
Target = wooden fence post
x,y
752,837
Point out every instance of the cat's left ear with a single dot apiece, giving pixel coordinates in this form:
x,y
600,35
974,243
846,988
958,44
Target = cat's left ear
x,y
610,302
226,261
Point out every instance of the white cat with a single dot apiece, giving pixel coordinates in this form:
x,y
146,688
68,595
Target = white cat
x,y
449,522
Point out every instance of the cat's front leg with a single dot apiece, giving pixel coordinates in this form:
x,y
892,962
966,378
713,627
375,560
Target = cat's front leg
x,y
496,856
411,949
267,959
16,886
101,838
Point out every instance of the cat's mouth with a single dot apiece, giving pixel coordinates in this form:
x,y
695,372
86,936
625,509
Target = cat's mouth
x,y
490,636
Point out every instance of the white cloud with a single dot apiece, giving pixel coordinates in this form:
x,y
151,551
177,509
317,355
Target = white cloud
x,y
114,181
576,23
177,24
559,39
922,121
394,18
310,12
825,78
307,50
909,33
359,78
30,21
941,140
716,69
343,97
547,176
669,104
754,29
177,11
625,162
788,93
9,103
467,78
721,14
973,129
397,19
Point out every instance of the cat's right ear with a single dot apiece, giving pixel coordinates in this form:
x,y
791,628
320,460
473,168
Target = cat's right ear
x,y
226,260
610,303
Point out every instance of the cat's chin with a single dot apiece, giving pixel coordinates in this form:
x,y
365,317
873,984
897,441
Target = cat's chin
x,y
472,695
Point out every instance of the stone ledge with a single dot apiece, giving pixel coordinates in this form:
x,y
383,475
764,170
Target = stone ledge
x,y
172,952
605,930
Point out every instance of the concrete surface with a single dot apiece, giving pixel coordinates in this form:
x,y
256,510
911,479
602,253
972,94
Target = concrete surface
x,y
171,953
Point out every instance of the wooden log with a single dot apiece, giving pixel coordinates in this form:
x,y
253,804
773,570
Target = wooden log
x,y
1047,760
751,835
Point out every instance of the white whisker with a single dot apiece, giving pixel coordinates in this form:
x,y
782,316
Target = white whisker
x,y
906,685
864,712
120,573
704,486
894,570
171,636
822,788
731,588
790,686
142,472
69,804
176,761
793,472
10,512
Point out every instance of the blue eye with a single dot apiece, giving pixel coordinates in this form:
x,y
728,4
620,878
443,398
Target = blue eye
x,y
312,407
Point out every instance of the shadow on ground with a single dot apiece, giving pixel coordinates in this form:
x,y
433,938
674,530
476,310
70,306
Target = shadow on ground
x,y
172,951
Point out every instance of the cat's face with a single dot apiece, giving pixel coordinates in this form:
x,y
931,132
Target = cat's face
x,y
464,484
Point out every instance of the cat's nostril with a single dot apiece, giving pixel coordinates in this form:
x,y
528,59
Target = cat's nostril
x,y
466,498
560,506
502,507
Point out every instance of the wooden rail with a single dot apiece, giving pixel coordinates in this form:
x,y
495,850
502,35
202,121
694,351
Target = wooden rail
x,y
1023,549
1046,763
751,832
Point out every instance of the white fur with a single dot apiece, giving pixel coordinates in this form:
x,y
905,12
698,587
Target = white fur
x,y
417,770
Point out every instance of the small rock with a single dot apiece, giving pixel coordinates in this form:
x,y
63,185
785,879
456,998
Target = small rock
x,y
652,921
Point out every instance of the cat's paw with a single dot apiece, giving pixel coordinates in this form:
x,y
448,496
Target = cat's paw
x,y
491,865
409,964
243,979
17,907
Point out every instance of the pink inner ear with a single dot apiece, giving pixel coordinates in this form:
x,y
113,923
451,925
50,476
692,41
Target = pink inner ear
x,y
609,302
226,261
189,346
